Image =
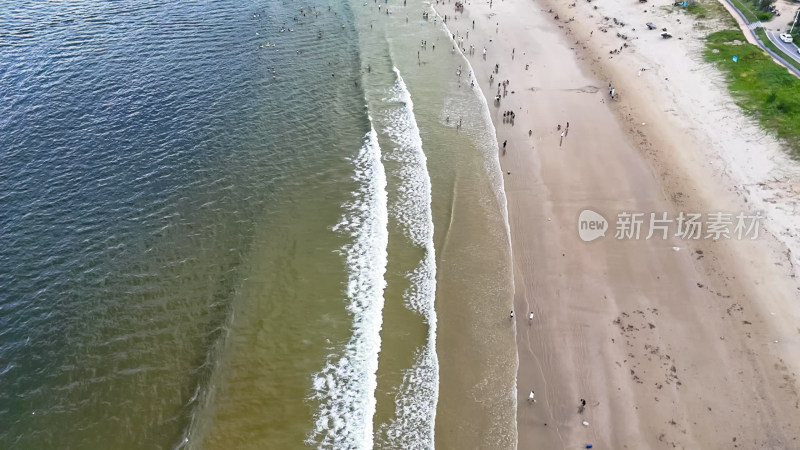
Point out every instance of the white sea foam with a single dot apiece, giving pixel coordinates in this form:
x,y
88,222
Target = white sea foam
x,y
417,397
413,206
345,387
415,405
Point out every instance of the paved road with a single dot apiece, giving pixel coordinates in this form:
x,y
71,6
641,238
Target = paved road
x,y
789,48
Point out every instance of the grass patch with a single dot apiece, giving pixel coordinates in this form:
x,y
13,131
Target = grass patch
x,y
763,89
748,8
707,9
763,36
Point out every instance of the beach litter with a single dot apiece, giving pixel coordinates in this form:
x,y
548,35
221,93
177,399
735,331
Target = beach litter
x,y
585,423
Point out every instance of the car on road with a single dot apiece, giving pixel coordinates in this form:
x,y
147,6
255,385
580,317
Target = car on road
x,y
786,37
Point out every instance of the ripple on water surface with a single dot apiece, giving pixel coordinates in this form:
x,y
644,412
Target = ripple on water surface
x,y
143,146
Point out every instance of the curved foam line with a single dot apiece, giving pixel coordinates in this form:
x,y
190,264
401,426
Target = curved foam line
x,y
415,404
345,387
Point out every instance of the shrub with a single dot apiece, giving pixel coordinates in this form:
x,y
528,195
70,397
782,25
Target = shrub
x,y
764,16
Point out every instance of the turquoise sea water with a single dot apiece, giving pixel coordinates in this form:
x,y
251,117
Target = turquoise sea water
x,y
246,225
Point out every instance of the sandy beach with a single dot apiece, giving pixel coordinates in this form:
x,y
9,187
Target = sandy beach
x,y
673,342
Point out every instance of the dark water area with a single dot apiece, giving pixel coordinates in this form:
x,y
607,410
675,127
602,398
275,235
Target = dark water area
x,y
143,147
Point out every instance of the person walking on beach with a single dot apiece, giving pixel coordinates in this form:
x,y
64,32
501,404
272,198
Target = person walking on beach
x,y
566,130
562,139
504,152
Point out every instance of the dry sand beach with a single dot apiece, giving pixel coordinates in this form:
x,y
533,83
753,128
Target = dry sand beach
x,y
673,343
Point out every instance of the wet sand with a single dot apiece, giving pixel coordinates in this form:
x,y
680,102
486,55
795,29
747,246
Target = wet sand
x,y
671,342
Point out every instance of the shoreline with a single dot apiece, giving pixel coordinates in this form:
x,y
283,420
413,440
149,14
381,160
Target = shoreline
x,y
495,175
691,320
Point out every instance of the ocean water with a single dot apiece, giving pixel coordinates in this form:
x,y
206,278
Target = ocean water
x,y
251,224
